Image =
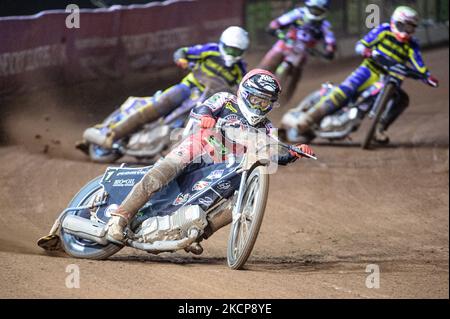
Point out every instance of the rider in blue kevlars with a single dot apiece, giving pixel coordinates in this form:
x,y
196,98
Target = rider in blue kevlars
x,y
223,60
394,41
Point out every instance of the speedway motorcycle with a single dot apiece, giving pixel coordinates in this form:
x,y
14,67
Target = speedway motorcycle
x,y
149,142
296,54
371,103
202,199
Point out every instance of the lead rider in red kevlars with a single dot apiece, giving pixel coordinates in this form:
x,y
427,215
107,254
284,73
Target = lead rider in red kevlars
x,y
257,95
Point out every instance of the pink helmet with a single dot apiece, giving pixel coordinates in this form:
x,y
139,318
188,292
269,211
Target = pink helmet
x,y
258,93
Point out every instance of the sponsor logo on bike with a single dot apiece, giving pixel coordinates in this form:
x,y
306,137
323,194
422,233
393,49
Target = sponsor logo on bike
x,y
124,182
206,201
181,199
133,172
215,174
224,185
200,185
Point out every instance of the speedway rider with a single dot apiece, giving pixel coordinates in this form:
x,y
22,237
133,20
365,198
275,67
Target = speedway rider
x,y
306,24
256,96
223,60
392,40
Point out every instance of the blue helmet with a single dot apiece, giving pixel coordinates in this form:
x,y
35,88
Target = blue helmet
x,y
316,10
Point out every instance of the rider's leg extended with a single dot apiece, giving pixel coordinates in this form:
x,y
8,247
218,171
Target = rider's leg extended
x,y
394,109
358,81
156,178
327,105
164,171
166,103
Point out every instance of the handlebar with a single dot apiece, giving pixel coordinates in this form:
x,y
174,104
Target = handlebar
x,y
220,126
298,151
391,66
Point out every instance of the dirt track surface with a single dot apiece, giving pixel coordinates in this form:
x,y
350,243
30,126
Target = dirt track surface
x,y
325,221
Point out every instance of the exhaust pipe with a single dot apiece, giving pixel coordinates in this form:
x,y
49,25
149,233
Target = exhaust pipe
x,y
96,232
335,134
167,245
85,229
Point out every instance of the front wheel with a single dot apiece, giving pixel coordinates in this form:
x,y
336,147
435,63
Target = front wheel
x,y
381,107
244,231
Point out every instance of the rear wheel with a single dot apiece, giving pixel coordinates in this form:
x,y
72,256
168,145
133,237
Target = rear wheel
x,y
387,94
244,231
82,248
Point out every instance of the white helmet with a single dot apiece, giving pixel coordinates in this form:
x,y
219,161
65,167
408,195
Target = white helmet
x,y
233,43
404,22
316,10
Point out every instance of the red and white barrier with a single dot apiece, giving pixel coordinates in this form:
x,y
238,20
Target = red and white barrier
x,y
109,43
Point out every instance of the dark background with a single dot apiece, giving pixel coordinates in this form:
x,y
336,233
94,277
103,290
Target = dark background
x,y
347,16
24,7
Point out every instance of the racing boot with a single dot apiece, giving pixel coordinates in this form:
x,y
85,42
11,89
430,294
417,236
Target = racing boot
x,y
327,105
380,135
116,226
165,104
128,125
160,175
194,248
83,146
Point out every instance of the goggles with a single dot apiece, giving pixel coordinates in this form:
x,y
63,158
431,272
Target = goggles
x,y
405,27
317,11
234,52
259,103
